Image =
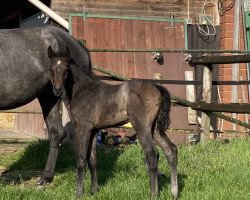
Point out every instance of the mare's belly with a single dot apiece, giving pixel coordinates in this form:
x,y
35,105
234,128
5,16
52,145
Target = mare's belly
x,y
15,92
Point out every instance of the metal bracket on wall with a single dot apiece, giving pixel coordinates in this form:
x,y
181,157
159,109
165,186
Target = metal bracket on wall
x,y
84,10
172,19
84,14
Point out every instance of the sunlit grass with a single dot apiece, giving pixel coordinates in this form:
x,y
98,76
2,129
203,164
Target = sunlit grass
x,y
205,171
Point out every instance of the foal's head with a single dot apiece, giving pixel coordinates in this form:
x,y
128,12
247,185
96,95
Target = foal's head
x,y
59,66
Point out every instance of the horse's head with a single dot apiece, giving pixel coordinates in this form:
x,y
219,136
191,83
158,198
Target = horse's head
x,y
59,66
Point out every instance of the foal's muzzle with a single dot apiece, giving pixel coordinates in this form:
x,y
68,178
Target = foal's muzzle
x,y
58,92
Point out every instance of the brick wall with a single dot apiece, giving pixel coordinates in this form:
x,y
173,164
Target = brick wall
x,y
225,71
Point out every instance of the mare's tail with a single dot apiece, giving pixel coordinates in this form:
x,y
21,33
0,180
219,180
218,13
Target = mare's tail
x,y
90,61
163,119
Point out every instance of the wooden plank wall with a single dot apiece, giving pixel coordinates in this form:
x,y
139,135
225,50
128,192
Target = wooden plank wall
x,y
121,33
30,124
177,8
118,33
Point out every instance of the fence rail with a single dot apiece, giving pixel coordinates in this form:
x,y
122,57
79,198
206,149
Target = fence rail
x,y
178,82
179,100
21,111
169,50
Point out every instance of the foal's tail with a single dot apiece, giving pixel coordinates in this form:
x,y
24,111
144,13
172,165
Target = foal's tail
x,y
163,119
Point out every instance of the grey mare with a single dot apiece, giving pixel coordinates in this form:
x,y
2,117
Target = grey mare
x,y
95,105
24,76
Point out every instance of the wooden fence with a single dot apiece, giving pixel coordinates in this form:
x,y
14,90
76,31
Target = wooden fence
x,y
205,106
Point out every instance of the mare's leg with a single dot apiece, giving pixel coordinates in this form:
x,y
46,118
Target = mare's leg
x,y
145,138
170,151
50,107
92,162
82,136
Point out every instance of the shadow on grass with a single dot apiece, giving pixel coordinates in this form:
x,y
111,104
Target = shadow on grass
x,y
32,161
106,160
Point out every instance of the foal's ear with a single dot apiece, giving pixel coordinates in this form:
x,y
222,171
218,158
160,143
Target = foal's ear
x,y
51,53
67,52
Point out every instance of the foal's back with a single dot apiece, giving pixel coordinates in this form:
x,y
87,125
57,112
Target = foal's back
x,y
144,101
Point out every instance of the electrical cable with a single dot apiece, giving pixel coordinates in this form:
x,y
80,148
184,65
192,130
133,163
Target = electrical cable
x,y
223,9
209,24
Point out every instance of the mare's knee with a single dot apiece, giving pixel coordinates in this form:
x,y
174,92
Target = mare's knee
x,y
56,135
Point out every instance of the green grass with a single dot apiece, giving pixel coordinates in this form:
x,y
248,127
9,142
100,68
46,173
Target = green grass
x,y
206,171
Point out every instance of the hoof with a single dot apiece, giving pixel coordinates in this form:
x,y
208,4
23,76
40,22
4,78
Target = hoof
x,y
154,196
94,190
79,195
79,192
175,193
42,182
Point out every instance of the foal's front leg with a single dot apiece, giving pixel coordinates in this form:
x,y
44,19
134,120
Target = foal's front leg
x,y
82,142
92,161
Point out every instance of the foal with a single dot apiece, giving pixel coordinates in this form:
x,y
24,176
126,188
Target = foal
x,y
95,105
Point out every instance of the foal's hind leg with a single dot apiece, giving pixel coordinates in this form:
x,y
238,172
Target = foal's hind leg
x,y
50,106
170,151
144,136
92,162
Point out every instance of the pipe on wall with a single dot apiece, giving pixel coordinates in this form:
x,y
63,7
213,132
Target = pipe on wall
x,y
245,32
50,13
235,66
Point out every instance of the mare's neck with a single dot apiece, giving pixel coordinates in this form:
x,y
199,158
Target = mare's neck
x,y
84,80
80,76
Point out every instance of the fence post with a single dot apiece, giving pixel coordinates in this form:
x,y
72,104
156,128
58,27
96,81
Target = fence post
x,y
190,95
207,96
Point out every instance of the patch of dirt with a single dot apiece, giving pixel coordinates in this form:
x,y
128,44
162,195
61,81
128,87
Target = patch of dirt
x,y
14,136
7,147
11,141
